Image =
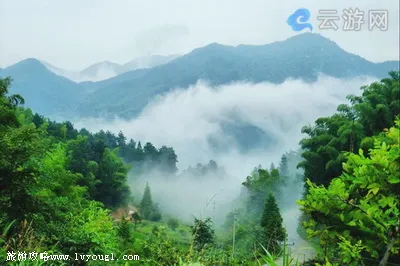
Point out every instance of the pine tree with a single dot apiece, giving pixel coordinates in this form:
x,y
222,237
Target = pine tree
x,y
283,166
155,213
121,140
148,209
202,233
271,222
146,205
272,167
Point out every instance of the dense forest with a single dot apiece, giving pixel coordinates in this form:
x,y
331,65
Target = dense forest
x,y
65,191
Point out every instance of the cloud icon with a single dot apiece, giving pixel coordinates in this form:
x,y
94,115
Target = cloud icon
x,y
301,15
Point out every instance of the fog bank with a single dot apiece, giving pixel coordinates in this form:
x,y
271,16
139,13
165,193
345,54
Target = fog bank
x,y
186,119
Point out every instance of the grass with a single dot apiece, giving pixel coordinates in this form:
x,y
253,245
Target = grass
x,y
181,236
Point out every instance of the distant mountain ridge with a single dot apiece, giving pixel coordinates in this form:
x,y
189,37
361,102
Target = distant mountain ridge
x,y
303,56
43,91
106,69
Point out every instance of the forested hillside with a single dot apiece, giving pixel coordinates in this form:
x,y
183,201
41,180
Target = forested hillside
x,y
65,191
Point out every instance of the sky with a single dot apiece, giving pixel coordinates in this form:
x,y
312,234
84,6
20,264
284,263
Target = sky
x,y
73,34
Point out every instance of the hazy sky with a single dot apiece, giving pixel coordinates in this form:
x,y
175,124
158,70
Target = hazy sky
x,y
73,34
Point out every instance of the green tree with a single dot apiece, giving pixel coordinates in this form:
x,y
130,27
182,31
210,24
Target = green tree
x,y
125,232
56,193
259,185
173,223
365,116
146,205
283,166
203,233
112,190
359,210
156,213
272,224
168,160
18,144
136,218
91,231
150,152
81,160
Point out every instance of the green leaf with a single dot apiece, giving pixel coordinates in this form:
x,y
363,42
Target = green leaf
x,y
352,223
375,190
393,179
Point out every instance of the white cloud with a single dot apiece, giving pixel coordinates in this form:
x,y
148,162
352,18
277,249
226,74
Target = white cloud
x,y
185,119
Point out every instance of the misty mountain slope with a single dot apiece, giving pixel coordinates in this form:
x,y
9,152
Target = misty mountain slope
x,y
146,62
244,136
71,75
43,91
100,71
94,86
106,69
303,57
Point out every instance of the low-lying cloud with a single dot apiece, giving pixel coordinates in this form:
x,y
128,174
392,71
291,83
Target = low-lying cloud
x,y
185,119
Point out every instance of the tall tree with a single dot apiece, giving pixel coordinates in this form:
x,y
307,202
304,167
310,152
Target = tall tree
x,y
272,224
146,205
112,189
167,160
18,143
283,166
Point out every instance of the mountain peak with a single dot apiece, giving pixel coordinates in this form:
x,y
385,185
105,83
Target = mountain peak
x,y
106,62
310,37
101,64
212,48
29,63
216,46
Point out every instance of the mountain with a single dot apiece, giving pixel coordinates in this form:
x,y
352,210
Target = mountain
x,y
71,75
96,72
146,62
303,56
43,91
100,71
106,69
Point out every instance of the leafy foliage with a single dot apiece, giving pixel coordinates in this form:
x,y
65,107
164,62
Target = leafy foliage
x,y
58,187
259,185
202,232
173,223
358,213
366,116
